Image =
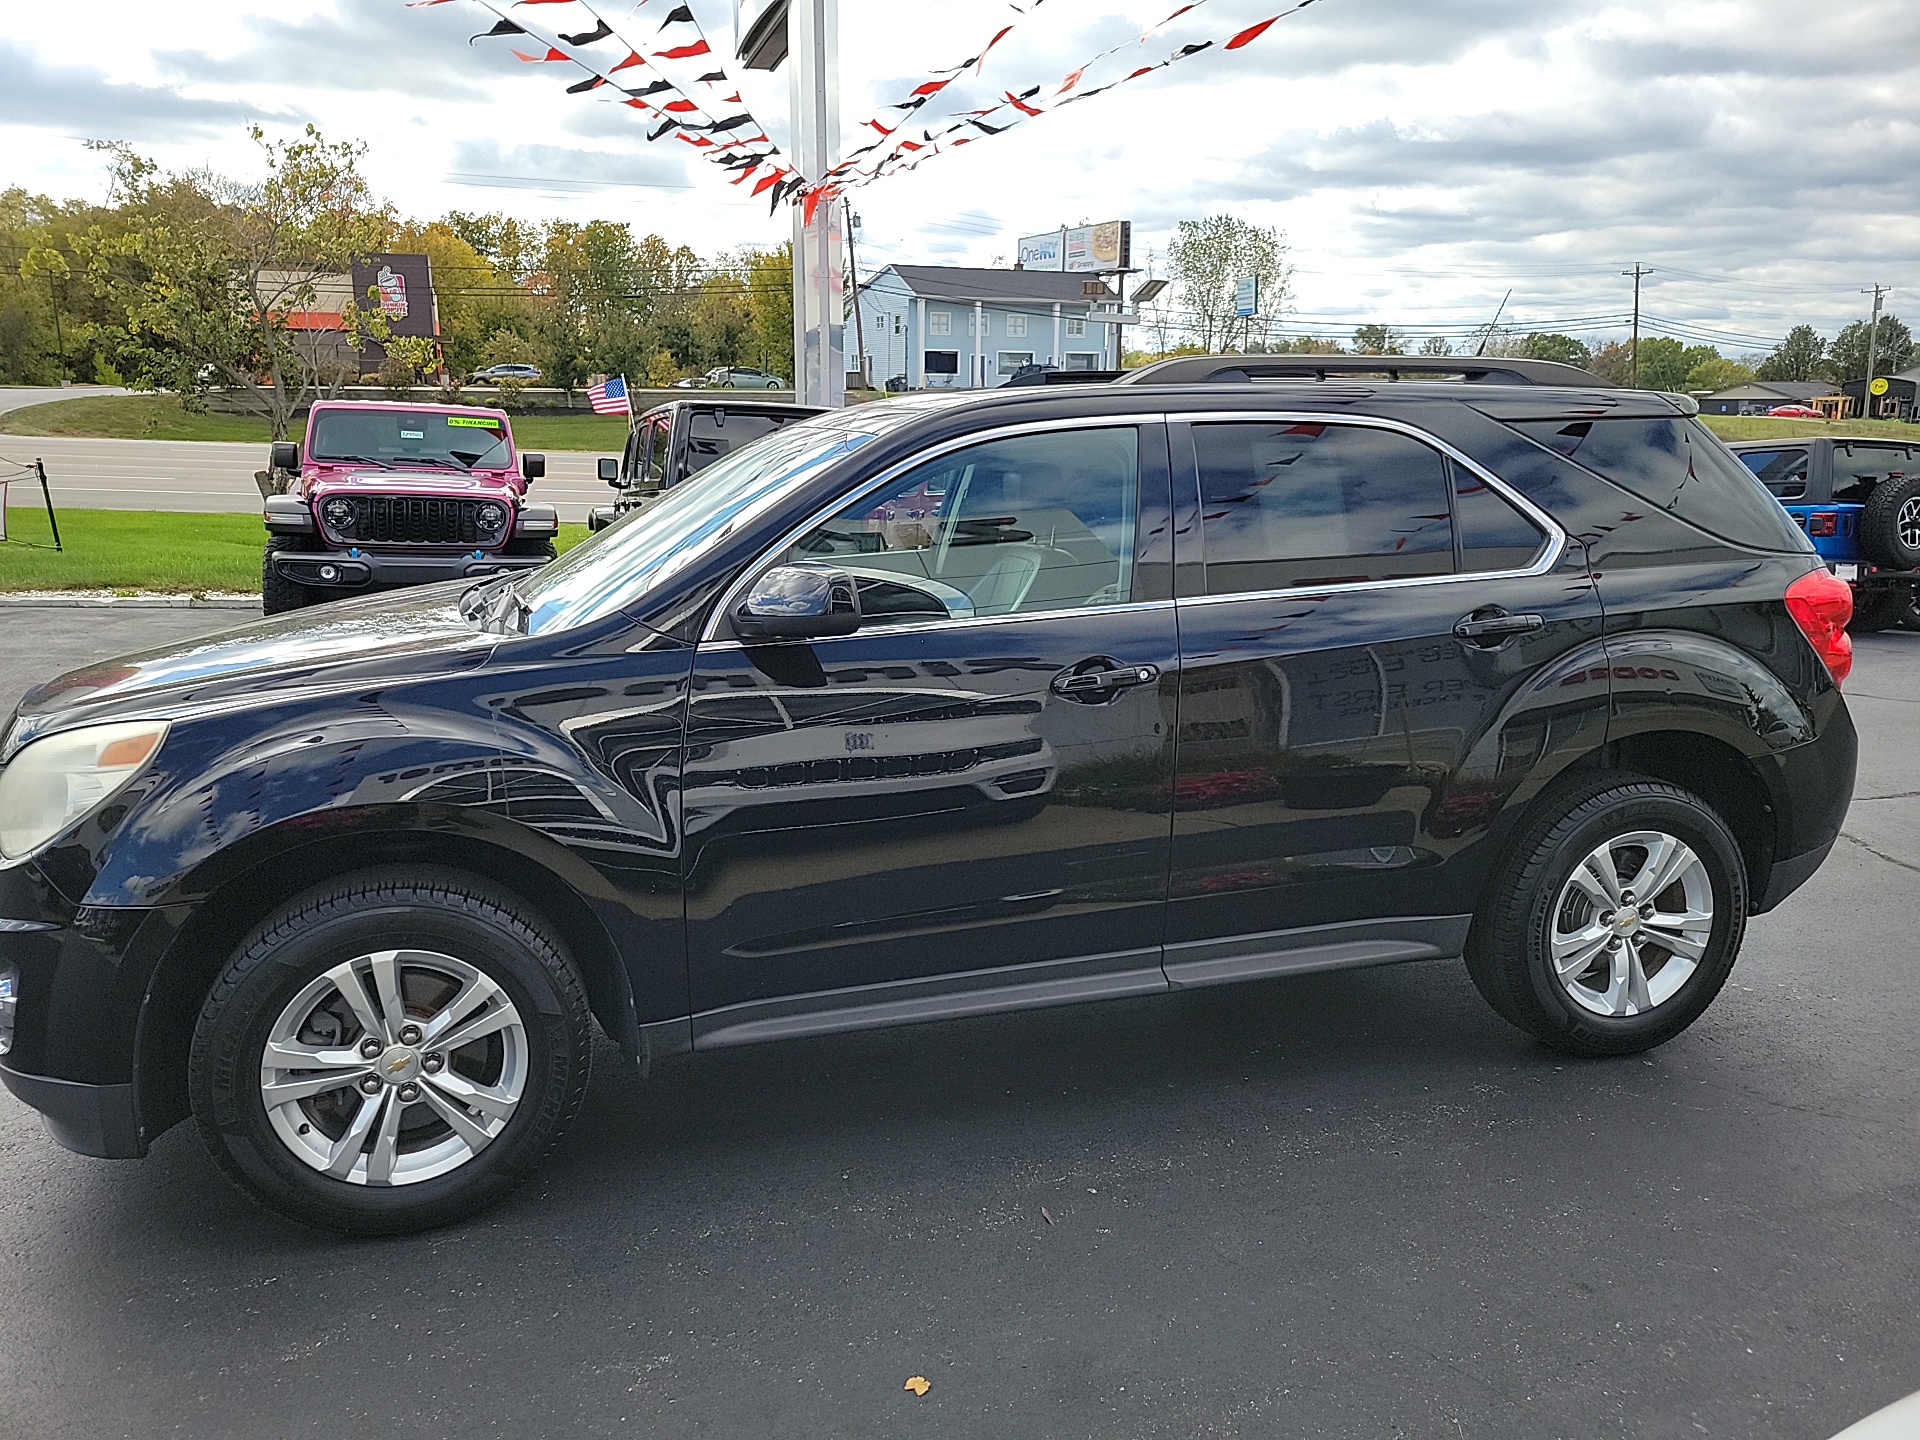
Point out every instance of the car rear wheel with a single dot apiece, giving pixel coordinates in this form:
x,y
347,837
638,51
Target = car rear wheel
x,y
1615,918
1890,524
389,1053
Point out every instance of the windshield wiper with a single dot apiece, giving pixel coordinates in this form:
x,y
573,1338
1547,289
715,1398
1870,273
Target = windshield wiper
x,y
353,460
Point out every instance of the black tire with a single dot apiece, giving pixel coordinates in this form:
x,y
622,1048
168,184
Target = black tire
x,y
440,914
545,549
1880,608
1890,524
277,593
1509,953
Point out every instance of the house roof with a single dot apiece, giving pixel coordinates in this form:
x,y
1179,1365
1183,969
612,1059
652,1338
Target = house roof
x,y
1796,391
959,282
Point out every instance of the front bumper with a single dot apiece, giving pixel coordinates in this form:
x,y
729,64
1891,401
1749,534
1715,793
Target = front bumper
x,y
87,1119
356,569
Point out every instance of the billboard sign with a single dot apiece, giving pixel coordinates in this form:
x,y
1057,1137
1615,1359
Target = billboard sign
x,y
1246,296
401,287
1082,249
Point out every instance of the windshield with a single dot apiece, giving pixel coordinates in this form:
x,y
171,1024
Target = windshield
x,y
615,567
409,437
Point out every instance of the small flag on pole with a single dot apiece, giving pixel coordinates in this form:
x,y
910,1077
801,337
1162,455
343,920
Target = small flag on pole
x,y
609,397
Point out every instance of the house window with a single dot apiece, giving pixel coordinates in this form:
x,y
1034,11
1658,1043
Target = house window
x,y
1076,329
939,322
1012,360
1016,327
1082,360
942,362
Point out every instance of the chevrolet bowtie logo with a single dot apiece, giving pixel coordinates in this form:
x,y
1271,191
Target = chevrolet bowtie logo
x,y
397,1066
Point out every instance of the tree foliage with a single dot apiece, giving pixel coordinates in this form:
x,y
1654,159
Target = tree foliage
x,y
1563,349
1847,355
1798,357
1378,340
1208,258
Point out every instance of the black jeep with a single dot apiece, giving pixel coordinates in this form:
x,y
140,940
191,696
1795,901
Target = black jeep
x,y
667,444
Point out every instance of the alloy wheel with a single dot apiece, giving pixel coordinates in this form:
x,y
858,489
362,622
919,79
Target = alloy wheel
x,y
1907,523
1632,924
394,1067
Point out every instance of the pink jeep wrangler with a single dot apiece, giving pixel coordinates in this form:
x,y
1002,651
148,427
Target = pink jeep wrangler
x,y
394,494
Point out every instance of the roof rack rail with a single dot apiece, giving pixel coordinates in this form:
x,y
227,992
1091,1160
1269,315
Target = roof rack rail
x,y
1470,369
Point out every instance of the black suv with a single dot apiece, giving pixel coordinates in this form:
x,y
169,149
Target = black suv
x,y
922,709
676,441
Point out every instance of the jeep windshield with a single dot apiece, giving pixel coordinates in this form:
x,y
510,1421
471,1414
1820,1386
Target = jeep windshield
x,y
614,568
408,437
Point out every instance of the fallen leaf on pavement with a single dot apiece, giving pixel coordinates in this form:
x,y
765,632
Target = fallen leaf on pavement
x,y
919,1384
1046,1215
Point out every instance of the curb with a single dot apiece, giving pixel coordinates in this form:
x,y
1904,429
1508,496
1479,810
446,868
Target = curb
x,y
127,602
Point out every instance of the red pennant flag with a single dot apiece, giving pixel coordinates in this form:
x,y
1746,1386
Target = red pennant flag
x,y
1143,70
1071,81
685,52
990,44
1249,35
699,140
768,180
1021,105
541,59
680,107
638,104
932,87
633,58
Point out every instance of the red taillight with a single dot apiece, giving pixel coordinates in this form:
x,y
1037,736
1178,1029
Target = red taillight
x,y
1821,604
1823,522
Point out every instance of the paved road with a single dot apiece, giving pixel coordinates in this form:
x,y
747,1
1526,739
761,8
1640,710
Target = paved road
x,y
1353,1206
18,397
203,475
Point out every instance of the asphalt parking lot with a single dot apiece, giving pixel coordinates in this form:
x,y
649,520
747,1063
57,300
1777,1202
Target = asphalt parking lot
x,y
1352,1205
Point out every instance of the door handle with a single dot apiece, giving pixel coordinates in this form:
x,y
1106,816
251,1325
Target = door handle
x,y
1497,625
1088,684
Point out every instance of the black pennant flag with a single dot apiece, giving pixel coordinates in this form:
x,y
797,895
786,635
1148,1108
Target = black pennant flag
x,y
505,27
587,37
592,82
679,15
714,77
654,89
665,127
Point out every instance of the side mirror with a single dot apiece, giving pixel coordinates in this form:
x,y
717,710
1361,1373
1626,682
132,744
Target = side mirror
x,y
284,455
799,602
532,467
609,469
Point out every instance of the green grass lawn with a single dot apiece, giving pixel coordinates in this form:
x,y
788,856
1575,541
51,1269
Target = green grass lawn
x,y
143,550
159,417
1769,427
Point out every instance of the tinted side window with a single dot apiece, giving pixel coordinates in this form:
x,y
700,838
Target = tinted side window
x,y
630,459
1783,472
655,470
713,433
1858,468
1286,505
1678,466
1009,527
1493,534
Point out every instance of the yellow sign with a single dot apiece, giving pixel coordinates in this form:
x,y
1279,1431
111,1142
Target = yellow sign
x,y
474,422
1879,387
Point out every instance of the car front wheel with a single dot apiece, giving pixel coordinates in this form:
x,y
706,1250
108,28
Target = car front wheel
x,y
389,1053
1615,918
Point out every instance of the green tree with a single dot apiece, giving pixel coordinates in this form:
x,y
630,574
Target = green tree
x,y
1436,345
1208,258
1378,340
1612,362
1665,363
1718,374
1798,357
1561,348
770,309
1847,356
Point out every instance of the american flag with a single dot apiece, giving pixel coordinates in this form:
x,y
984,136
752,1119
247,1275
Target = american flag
x,y
609,397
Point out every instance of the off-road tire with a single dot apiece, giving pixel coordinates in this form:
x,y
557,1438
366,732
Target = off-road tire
x,y
1881,533
423,908
1508,952
277,593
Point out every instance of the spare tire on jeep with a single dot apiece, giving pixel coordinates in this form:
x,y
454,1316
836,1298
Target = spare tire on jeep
x,y
1890,524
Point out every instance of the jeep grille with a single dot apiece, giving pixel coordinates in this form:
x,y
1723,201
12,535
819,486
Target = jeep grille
x,y
415,520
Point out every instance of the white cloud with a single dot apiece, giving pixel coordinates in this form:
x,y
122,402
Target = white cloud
x,y
1423,156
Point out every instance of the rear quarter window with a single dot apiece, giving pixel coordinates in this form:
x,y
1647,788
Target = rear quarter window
x,y
1678,466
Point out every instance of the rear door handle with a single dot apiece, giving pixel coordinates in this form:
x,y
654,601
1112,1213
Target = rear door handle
x,y
1080,683
1482,625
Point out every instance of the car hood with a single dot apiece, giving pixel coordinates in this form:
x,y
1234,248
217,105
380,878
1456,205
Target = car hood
x,y
379,640
431,482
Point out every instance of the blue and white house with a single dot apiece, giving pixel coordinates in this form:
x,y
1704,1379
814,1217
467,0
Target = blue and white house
x,y
952,327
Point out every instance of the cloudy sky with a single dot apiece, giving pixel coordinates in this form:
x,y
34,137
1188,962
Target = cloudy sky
x,y
1422,157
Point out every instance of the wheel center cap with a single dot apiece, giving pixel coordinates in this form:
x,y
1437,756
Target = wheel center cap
x,y
1625,920
398,1064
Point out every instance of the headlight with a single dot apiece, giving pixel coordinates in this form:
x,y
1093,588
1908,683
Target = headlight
x,y
55,781
492,516
9,1000
338,512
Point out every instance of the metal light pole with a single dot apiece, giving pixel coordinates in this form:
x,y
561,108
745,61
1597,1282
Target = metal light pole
x,y
819,290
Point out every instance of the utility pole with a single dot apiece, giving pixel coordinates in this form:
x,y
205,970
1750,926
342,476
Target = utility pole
x,y
1879,293
1639,272
853,289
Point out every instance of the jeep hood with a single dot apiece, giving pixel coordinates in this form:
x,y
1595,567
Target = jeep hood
x,y
378,640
